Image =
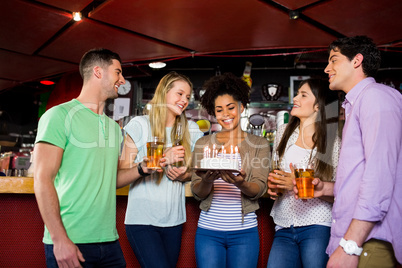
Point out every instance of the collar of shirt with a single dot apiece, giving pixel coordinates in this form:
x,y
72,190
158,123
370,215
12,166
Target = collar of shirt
x,y
354,93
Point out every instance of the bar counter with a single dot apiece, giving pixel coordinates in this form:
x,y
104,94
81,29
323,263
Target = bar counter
x,y
24,185
21,227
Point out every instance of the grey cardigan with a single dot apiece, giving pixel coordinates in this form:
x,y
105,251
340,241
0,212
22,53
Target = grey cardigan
x,y
255,156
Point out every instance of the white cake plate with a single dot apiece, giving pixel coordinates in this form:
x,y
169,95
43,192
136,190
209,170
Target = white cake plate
x,y
208,169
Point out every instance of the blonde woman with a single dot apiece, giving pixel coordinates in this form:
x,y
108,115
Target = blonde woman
x,y
156,202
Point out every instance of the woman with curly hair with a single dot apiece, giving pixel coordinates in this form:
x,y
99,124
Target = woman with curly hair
x,y
227,232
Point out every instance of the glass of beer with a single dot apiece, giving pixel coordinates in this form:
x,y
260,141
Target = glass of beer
x,y
154,153
304,180
275,165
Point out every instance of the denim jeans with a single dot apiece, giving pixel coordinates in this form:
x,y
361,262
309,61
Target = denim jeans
x,y
107,254
219,249
300,247
155,247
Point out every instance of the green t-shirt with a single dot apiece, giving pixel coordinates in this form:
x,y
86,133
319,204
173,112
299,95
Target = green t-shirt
x,y
86,180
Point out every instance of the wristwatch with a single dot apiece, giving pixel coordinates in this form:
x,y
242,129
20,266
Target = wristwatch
x,y
141,171
350,247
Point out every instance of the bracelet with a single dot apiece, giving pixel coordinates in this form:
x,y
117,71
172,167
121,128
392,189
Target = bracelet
x,y
141,171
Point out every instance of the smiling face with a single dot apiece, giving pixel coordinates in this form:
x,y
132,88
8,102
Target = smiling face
x,y
304,103
112,79
228,112
341,72
177,97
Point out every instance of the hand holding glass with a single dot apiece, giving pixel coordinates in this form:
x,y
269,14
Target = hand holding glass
x,y
304,180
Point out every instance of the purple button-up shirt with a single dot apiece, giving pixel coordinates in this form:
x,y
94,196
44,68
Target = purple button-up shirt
x,y
368,184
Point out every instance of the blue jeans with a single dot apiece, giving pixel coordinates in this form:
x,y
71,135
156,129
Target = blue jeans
x,y
227,249
107,254
300,247
155,247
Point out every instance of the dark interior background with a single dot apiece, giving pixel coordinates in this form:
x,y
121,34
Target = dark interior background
x,y
39,40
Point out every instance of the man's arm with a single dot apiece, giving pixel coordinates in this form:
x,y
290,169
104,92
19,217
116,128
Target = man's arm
x,y
127,170
47,160
358,231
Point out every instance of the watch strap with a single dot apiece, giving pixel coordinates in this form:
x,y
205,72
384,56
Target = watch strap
x,y
356,251
141,171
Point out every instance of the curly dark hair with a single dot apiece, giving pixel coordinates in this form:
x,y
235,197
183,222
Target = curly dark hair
x,y
351,46
224,84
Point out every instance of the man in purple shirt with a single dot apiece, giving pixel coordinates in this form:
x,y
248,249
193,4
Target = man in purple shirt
x,y
367,212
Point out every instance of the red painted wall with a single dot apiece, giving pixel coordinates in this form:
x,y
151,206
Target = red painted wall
x,y
21,231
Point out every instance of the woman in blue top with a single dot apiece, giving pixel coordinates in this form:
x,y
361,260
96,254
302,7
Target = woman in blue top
x,y
156,202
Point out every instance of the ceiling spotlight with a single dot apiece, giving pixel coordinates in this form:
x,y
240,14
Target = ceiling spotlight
x,y
77,16
294,14
157,65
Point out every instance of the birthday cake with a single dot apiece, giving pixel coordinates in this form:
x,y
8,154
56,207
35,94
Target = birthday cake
x,y
214,160
219,163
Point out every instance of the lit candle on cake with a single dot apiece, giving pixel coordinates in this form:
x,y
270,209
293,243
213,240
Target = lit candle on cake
x,y
236,151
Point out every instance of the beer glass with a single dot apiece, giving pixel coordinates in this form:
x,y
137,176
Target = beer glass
x,y
154,153
304,180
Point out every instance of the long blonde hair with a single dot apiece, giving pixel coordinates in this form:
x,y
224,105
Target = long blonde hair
x,y
158,111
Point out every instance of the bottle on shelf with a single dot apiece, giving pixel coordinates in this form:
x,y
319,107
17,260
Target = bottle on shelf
x,y
247,74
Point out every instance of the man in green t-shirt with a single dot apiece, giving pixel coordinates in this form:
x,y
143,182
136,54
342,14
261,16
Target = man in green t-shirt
x,y
75,157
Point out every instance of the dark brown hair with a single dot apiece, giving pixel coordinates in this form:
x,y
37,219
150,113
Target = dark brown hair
x,y
325,133
97,56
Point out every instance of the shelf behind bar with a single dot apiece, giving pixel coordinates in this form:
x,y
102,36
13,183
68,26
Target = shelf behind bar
x,y
271,105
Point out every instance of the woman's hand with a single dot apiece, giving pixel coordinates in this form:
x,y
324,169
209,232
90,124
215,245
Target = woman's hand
x,y
281,180
238,179
208,176
272,189
230,177
173,155
177,173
